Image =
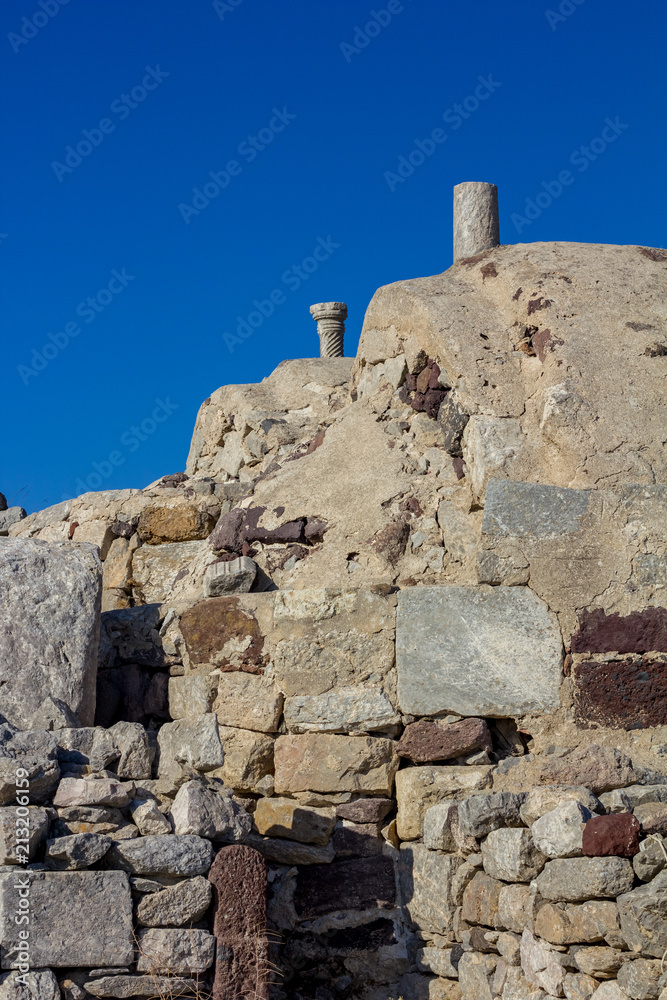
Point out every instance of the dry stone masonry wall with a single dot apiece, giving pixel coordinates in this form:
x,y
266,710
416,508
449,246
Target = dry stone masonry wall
x,y
370,701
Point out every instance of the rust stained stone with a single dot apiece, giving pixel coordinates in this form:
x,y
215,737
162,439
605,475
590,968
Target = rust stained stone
x,y
611,836
426,741
639,632
211,623
238,876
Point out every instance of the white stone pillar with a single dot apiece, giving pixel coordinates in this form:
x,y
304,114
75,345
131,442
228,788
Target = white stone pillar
x,y
476,225
330,318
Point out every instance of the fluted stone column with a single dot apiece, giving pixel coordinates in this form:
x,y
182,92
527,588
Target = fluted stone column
x,y
330,318
476,225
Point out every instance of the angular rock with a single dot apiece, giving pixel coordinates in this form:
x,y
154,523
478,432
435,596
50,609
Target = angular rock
x,y
438,834
88,745
628,798
195,742
291,852
276,817
475,976
640,979
176,952
176,905
480,814
248,701
481,901
565,924
76,918
93,792
357,884
650,860
643,914
38,984
136,756
82,850
209,811
610,991
49,629
344,710
365,810
426,741
155,567
558,833
572,880
356,840
652,817
517,907
230,576
543,799
577,986
542,966
531,510
327,763
417,788
248,758
239,884
511,855
21,836
165,854
439,961
483,651
148,818
600,769
192,695
611,836
598,961
122,987
158,525
509,946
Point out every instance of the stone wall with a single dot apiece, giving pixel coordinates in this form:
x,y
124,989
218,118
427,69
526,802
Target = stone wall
x,y
369,702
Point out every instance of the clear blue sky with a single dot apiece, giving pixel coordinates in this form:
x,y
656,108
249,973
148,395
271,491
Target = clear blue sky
x,y
181,87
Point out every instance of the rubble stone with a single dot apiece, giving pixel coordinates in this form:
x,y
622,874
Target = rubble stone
x,y
643,914
205,810
575,879
166,854
176,905
195,742
248,701
511,855
558,833
481,901
425,741
328,763
609,836
276,817
480,814
417,788
176,952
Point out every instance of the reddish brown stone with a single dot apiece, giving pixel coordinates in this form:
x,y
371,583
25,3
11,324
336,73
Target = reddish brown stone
x,y
364,810
357,884
227,532
629,693
639,632
427,741
210,624
611,836
391,540
238,875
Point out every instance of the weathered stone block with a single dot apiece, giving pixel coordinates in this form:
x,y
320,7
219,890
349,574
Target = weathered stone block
x,y
344,710
248,758
542,966
93,792
230,576
481,901
239,884
176,905
248,701
543,799
154,567
598,961
147,817
175,951
426,741
418,788
276,817
291,852
208,810
192,695
327,763
492,651
480,814
558,833
81,850
643,914
49,632
517,907
475,976
531,510
652,817
640,979
574,879
166,854
195,742
122,987
438,834
627,693
564,924
510,854
616,835
76,918
356,840
12,826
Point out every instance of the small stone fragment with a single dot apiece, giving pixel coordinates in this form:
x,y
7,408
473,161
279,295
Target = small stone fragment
x,y
578,986
480,814
93,792
438,834
545,798
480,901
641,978
652,816
230,576
542,966
598,961
148,818
195,742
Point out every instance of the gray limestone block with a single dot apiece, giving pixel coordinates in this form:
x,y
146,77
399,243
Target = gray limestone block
x,y
76,918
176,905
476,224
123,987
231,576
532,510
9,517
572,880
38,984
162,854
175,951
481,651
49,632
209,812
643,914
480,814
